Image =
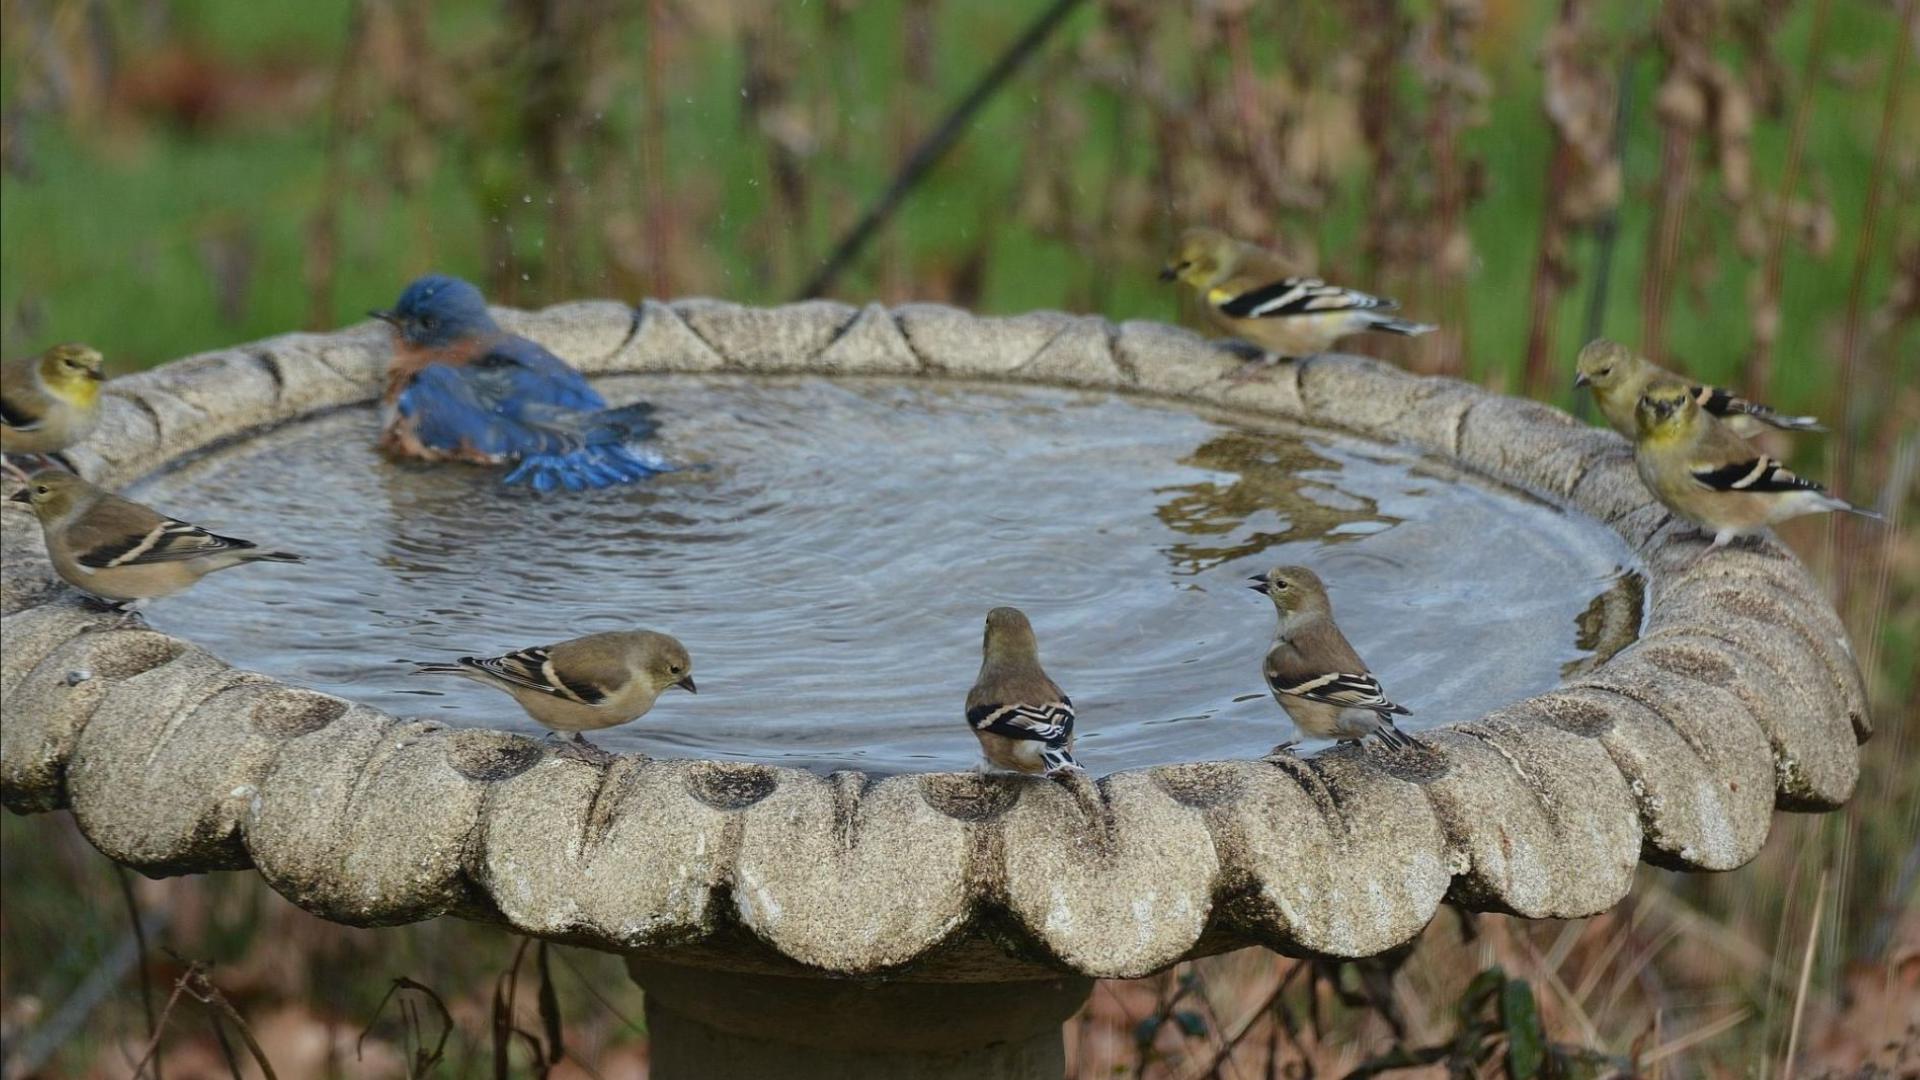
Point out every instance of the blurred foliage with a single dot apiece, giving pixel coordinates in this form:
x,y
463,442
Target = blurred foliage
x,y
1729,184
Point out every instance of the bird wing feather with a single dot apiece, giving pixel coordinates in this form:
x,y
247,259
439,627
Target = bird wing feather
x,y
116,532
1760,473
1299,296
1345,689
15,415
1726,404
512,399
1050,722
1338,677
536,669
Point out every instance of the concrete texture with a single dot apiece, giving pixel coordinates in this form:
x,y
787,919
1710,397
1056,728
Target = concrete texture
x,y
721,1026
1741,697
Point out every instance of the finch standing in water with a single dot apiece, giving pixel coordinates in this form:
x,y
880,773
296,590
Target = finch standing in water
x,y
48,402
124,552
1313,671
1245,293
1022,719
460,388
586,684
1711,477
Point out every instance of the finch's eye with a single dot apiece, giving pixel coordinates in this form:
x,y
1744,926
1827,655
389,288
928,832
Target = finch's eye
x,y
673,669
42,489
1605,371
428,322
1279,584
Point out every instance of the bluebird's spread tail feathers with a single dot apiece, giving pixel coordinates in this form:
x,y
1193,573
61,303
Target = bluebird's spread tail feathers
x,y
592,467
461,388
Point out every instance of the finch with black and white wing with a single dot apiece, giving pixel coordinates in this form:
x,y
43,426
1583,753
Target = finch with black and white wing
x,y
1022,718
48,402
1617,377
1314,672
598,681
1713,478
122,551
1245,292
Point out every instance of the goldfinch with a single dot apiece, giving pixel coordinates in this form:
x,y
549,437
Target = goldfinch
x,y
1711,477
597,681
124,552
1617,376
1245,292
1312,670
48,402
1022,719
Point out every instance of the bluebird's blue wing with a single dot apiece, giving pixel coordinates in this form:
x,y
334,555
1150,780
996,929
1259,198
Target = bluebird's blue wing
x,y
454,412
532,374
519,402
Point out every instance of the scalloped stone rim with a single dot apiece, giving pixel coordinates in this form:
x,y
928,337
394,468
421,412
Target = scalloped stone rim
x,y
1742,696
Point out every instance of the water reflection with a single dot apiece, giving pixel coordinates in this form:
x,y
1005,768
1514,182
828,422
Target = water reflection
x,y
830,556
1275,479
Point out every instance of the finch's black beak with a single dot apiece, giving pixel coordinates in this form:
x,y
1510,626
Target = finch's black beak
x,y
687,685
1171,271
1580,379
23,495
1259,584
387,317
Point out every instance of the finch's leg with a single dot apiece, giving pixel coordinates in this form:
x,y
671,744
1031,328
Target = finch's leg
x,y
581,750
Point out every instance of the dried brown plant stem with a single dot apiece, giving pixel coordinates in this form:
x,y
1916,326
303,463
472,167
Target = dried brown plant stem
x,y
1680,123
323,231
1552,268
1552,273
1257,128
1766,307
653,154
140,942
207,994
935,146
1806,977
1244,1026
423,1060
194,983
1606,231
1844,530
159,1029
1445,122
1387,30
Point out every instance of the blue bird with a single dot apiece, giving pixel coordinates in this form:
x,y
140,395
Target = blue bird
x,y
459,388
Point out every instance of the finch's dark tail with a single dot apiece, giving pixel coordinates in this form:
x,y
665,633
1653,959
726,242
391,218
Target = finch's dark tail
x,y
273,556
1404,327
1058,759
1393,736
1789,423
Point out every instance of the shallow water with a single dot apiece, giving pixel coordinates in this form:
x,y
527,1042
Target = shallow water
x,y
829,560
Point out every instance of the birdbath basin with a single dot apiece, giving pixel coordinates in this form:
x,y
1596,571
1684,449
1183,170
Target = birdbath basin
x,y
799,865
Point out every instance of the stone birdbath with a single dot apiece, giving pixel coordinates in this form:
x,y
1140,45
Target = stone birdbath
x,y
795,922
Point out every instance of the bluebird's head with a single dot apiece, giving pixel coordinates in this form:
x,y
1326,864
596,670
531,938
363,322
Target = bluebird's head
x,y
438,310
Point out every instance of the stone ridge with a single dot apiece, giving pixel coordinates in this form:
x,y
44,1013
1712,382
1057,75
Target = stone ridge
x,y
1743,695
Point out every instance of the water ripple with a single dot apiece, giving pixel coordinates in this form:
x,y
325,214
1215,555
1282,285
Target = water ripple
x,y
829,562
